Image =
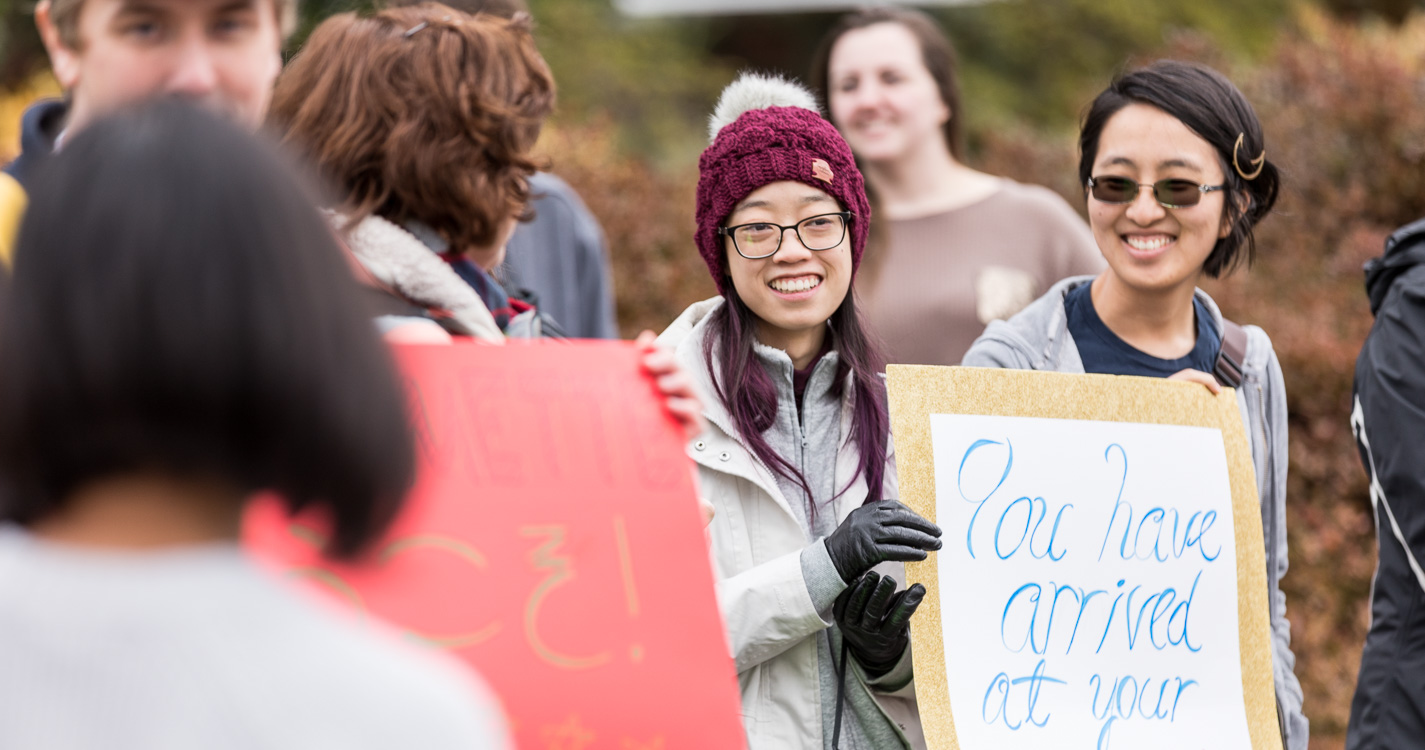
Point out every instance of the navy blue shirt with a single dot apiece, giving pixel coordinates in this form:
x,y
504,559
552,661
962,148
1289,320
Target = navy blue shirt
x,y
1104,352
39,126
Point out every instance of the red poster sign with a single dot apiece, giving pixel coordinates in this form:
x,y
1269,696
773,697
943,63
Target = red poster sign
x,y
554,542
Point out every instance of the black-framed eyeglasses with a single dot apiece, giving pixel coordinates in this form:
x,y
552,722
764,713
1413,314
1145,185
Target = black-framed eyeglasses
x,y
1168,193
762,239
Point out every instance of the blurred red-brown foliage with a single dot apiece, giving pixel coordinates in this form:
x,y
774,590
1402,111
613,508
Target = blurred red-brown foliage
x,y
647,216
1344,111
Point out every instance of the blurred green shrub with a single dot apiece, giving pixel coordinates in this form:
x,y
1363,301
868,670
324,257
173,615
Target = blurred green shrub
x,y
655,76
1040,61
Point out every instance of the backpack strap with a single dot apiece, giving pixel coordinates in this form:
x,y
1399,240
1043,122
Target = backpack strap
x,y
1228,368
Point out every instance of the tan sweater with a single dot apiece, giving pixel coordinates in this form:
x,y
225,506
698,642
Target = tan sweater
x,y
934,283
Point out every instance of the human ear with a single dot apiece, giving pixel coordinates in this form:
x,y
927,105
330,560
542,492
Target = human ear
x,y
64,61
1244,203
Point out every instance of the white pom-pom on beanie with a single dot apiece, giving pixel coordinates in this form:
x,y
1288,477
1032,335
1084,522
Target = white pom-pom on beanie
x,y
757,91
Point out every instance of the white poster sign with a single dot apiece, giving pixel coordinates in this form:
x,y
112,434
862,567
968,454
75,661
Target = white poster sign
x,y
1088,584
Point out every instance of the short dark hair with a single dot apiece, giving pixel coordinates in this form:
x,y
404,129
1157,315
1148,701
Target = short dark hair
x,y
1210,106
179,307
936,53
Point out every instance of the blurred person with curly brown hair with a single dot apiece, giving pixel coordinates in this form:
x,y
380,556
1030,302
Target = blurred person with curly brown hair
x,y
423,119
559,259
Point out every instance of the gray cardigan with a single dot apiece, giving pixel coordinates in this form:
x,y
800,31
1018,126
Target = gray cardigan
x,y
1038,338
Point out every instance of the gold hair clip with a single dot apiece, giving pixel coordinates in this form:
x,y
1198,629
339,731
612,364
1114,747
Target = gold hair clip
x,y
1260,162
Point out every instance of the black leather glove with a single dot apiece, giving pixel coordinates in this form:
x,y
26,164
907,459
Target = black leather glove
x,y
875,620
873,534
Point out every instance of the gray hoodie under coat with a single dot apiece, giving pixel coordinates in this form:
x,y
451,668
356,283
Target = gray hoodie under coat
x,y
776,582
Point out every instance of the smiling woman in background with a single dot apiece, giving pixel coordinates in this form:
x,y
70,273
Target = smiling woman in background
x,y
954,248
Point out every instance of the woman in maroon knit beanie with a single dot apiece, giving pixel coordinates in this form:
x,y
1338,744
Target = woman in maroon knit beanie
x,y
796,459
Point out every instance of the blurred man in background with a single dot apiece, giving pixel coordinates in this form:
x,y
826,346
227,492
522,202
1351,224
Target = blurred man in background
x,y
558,259
222,54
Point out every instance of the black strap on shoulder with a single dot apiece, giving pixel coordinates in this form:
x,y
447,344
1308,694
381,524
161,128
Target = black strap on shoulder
x,y
1228,369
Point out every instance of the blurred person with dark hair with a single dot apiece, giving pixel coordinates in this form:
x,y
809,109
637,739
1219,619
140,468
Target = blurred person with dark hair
x,y
558,259
955,248
224,54
210,347
423,118
1174,165
1388,416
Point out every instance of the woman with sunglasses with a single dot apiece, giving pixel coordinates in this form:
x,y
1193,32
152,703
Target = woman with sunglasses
x,y
1173,162
796,458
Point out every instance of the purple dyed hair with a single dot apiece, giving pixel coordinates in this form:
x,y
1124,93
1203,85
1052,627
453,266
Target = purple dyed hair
x,y
751,397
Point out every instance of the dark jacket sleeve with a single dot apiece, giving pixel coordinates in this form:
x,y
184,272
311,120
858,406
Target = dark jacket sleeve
x,y
1390,423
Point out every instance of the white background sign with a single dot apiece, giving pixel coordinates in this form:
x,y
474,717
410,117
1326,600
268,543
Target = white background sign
x,y
1088,584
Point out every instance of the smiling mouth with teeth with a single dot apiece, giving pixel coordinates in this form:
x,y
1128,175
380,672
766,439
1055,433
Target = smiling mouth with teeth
x,y
1144,243
800,284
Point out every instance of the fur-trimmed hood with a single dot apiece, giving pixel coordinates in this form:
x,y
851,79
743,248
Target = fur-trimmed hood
x,y
396,258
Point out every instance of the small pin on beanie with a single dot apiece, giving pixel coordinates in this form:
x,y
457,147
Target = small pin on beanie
x,y
767,129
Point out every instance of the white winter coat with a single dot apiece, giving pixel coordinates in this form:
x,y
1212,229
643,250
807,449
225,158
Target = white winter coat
x,y
756,548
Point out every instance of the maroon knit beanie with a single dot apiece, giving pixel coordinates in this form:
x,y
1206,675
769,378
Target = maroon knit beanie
x,y
767,130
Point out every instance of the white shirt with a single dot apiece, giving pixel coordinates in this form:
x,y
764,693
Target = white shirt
x,y
201,648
